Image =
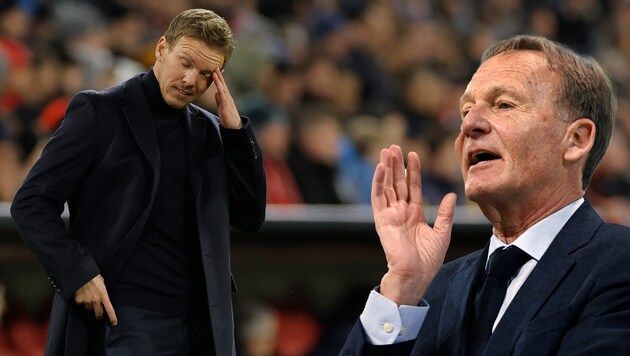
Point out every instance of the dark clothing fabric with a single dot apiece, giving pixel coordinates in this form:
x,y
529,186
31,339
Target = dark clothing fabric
x,y
502,267
165,267
576,301
146,332
105,162
316,181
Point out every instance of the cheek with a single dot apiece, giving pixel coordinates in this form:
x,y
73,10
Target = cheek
x,y
204,85
458,147
459,162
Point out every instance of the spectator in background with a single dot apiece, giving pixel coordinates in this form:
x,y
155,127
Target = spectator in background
x,y
9,155
422,102
9,165
90,39
610,187
442,175
272,128
314,155
358,155
327,83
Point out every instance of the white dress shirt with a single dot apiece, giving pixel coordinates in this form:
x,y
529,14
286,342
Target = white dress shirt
x,y
386,323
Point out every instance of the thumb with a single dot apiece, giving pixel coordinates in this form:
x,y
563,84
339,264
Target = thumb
x,y
445,217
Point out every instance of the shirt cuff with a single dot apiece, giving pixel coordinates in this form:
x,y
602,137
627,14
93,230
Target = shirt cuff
x,y
385,323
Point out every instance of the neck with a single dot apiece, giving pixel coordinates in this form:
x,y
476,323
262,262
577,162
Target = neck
x,y
510,220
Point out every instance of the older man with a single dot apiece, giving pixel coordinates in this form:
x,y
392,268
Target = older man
x,y
553,279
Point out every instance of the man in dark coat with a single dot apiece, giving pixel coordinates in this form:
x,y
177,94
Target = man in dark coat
x,y
152,183
553,279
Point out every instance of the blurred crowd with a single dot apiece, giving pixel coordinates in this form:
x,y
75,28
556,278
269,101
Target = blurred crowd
x,y
326,83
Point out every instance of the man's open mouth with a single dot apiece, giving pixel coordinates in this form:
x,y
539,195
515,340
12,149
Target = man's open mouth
x,y
482,156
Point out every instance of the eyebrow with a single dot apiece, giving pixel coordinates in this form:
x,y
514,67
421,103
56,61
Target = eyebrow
x,y
493,92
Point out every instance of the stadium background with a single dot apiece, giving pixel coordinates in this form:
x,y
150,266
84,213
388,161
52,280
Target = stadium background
x,y
327,83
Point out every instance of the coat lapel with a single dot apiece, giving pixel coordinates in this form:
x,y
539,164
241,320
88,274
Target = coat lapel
x,y
196,129
460,300
544,279
140,121
452,329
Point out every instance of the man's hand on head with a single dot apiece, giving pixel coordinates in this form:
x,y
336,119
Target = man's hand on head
x,y
226,108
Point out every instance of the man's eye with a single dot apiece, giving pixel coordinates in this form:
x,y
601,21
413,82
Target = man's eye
x,y
504,105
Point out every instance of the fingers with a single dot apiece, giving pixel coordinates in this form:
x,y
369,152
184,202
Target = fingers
x,y
219,82
388,177
223,92
227,111
109,309
445,216
93,296
378,190
98,310
391,183
414,182
399,175
218,79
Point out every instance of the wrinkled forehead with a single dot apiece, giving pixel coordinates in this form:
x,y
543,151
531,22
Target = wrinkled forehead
x,y
515,70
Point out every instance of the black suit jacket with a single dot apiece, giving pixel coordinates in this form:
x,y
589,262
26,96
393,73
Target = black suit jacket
x,y
576,301
104,162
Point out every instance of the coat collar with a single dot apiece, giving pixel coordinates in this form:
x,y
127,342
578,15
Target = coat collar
x,y
140,120
459,297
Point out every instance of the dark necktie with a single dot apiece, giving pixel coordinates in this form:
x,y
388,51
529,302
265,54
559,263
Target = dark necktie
x,y
502,266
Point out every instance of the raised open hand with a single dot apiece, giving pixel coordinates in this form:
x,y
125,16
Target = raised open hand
x,y
414,250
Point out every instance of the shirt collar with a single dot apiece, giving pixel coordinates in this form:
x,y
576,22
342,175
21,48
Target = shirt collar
x,y
158,106
537,238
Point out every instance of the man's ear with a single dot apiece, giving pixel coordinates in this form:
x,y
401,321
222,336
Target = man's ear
x,y
579,139
160,48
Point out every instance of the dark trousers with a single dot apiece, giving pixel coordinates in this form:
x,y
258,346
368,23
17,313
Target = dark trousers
x,y
145,332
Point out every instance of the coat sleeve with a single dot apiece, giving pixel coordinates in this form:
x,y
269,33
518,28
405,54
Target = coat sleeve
x,y
357,345
246,178
39,203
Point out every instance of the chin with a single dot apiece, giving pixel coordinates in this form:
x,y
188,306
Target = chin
x,y
175,104
477,194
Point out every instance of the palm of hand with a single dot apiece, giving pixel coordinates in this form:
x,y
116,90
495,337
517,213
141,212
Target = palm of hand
x,y
413,249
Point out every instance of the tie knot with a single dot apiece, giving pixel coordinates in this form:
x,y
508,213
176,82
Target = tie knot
x,y
504,262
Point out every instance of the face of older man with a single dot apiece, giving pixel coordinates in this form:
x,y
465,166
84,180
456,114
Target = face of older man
x,y
511,142
184,69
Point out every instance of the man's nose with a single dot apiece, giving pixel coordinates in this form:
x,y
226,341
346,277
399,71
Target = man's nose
x,y
189,77
476,122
